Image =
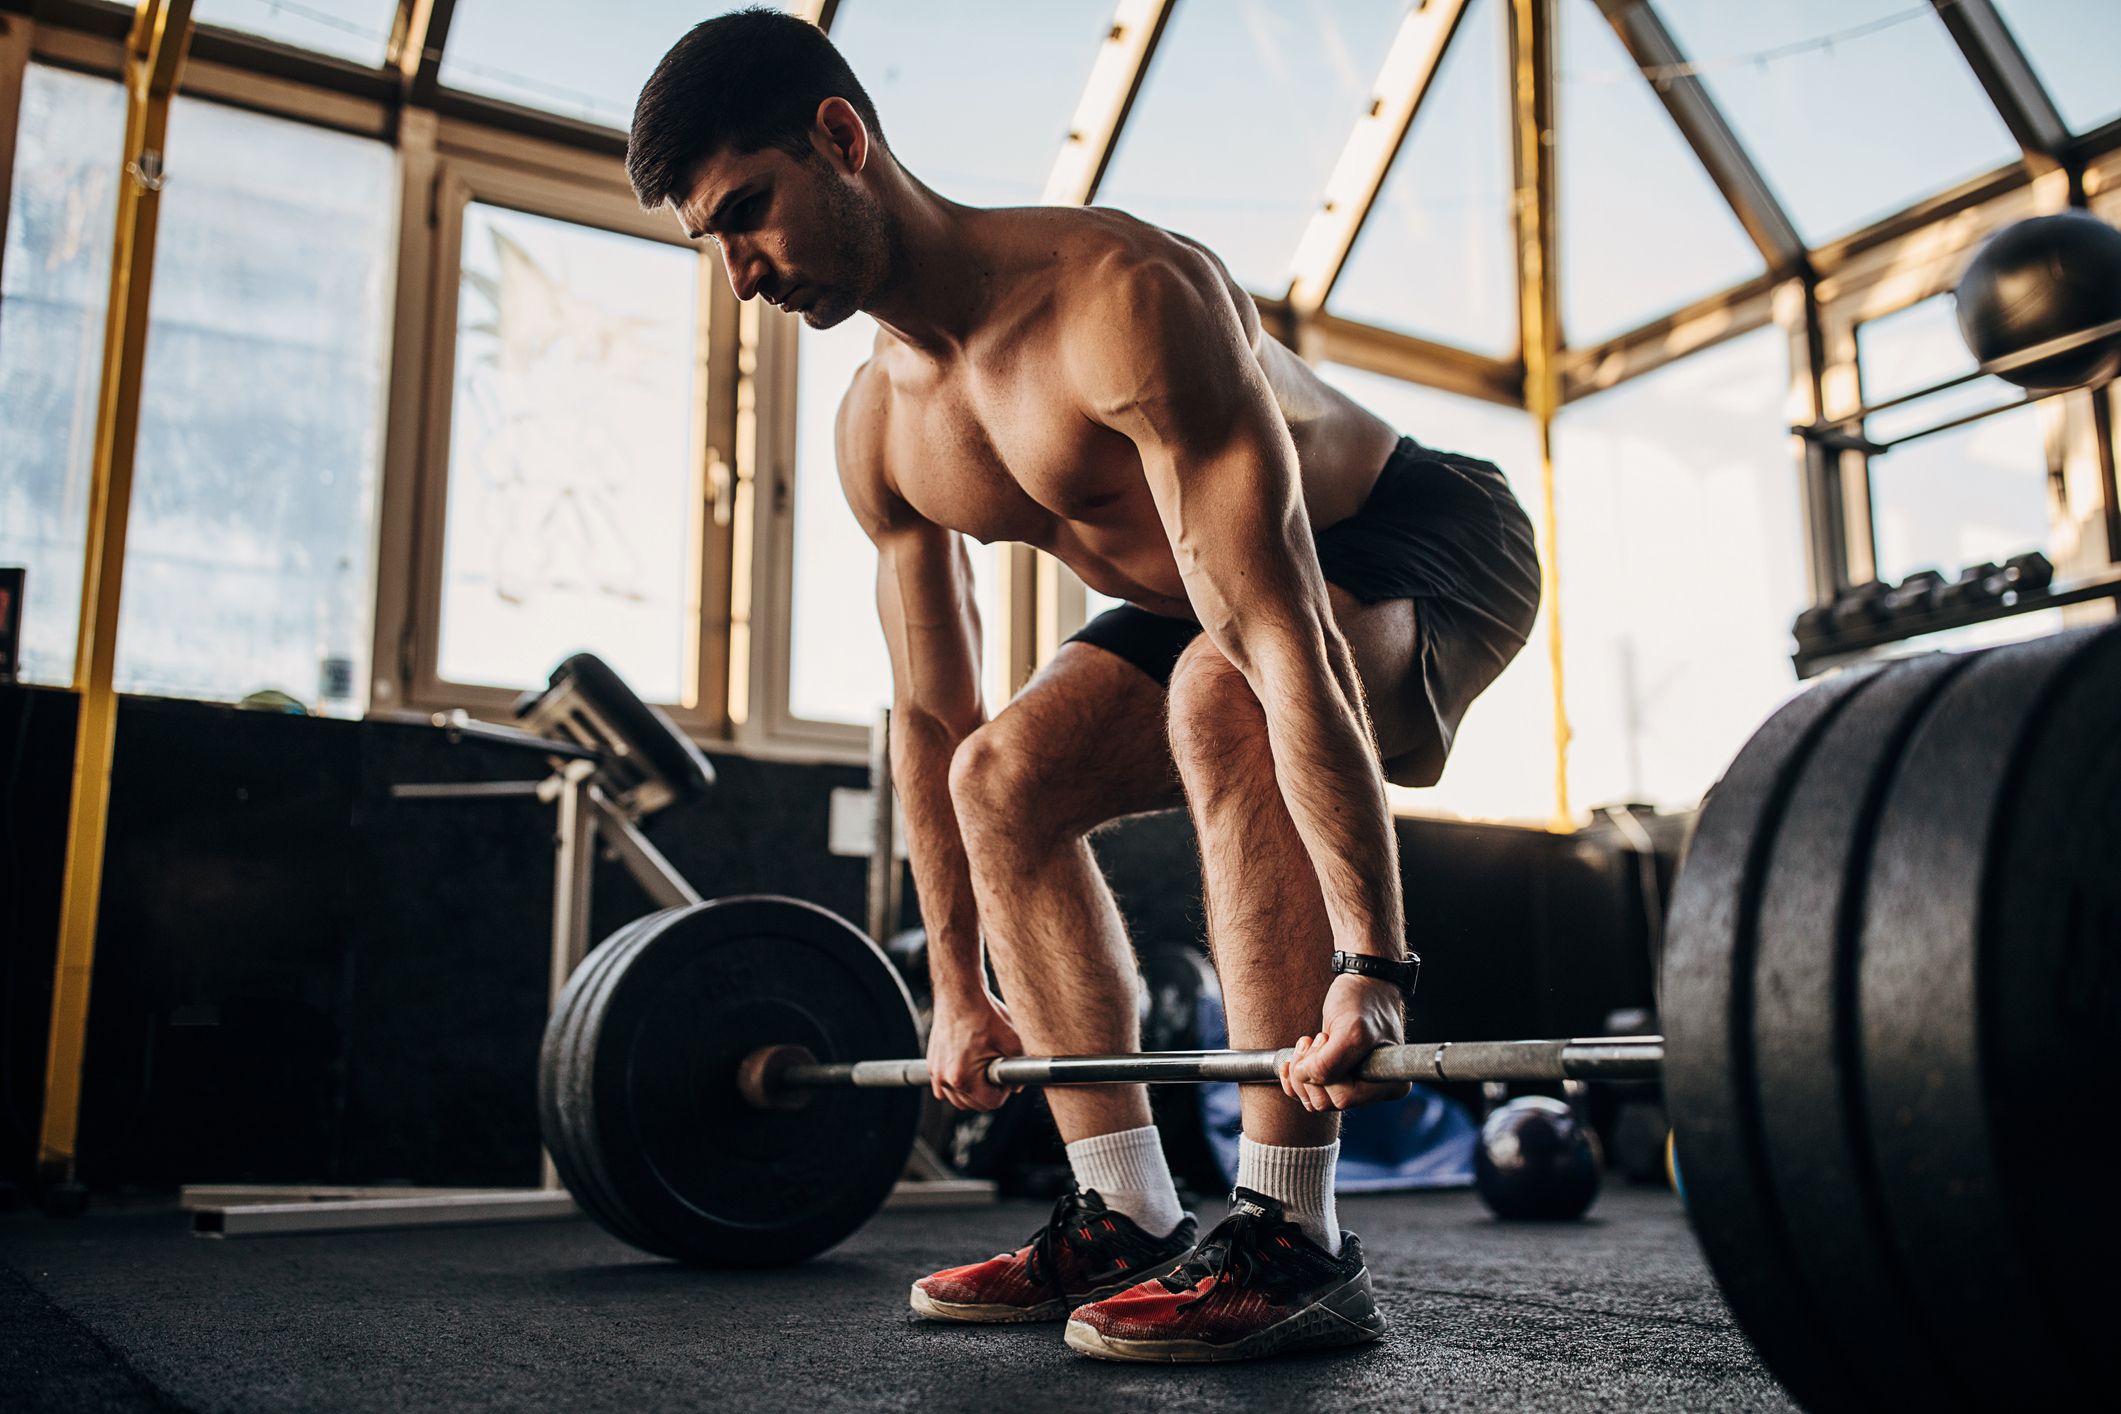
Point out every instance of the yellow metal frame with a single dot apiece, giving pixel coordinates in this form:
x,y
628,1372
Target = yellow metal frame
x,y
1532,26
154,57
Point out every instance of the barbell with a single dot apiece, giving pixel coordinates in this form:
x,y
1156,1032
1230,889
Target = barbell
x,y
1891,992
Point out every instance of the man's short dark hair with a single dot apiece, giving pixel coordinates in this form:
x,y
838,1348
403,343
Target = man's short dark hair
x,y
741,82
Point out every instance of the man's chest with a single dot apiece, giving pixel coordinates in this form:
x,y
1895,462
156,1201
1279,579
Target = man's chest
x,y
1004,459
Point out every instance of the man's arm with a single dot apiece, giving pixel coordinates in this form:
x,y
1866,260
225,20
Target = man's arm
x,y
1175,372
930,618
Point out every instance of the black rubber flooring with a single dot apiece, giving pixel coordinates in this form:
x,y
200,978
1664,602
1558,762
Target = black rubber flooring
x,y
125,1310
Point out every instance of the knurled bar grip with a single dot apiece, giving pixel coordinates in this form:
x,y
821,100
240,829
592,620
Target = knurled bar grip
x,y
1589,1058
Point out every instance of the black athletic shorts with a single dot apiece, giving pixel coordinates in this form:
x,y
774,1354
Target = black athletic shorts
x,y
1438,528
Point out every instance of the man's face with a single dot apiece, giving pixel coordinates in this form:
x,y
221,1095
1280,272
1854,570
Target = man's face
x,y
801,234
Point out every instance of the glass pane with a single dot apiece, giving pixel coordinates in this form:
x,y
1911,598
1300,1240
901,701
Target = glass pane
x,y
579,61
839,669
1643,229
930,65
573,442
1246,107
57,283
1958,498
1445,205
1502,763
1682,566
1852,108
249,560
2072,46
350,29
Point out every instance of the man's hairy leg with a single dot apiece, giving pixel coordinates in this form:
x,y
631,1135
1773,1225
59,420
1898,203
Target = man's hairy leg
x,y
1083,743
1267,921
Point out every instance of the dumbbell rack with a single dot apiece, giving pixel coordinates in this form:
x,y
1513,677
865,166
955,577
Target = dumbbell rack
x,y
1829,437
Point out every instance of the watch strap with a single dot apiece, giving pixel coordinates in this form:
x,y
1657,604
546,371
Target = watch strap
x,y
1402,974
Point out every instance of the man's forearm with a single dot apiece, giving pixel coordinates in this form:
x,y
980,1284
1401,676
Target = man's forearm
x,y
921,749
1325,761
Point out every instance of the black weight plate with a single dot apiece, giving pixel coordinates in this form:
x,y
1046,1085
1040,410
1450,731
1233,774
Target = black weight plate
x,y
716,1182
1806,1041
2050,978
565,1124
573,1099
1707,1006
1931,974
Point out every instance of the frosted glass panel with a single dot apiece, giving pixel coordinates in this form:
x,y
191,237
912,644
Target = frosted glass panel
x,y
572,491
1436,256
348,29
1245,108
1682,565
261,421
57,281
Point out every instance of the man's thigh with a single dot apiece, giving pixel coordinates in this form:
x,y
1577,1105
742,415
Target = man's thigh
x,y
1093,725
1385,638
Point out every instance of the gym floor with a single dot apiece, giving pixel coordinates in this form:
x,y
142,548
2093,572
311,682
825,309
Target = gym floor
x,y
126,1310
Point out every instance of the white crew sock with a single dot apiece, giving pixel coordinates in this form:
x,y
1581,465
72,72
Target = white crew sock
x,y
1300,1179
1130,1173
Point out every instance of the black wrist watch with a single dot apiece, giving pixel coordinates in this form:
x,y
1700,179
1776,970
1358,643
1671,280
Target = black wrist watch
x,y
1401,974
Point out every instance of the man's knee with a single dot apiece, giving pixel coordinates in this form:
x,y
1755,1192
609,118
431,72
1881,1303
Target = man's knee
x,y
1216,720
1005,785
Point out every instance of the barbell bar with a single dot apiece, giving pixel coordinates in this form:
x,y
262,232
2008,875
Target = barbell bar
x,y
1890,988
768,1077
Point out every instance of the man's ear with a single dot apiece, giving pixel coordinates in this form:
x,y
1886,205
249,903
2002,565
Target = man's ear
x,y
841,135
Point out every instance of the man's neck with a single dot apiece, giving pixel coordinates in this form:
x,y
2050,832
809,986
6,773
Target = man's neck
x,y
943,275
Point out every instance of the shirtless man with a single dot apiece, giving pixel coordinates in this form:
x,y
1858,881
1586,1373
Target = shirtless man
x,y
1308,594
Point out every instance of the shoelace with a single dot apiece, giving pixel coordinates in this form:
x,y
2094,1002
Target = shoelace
x,y
1230,1250
1058,1234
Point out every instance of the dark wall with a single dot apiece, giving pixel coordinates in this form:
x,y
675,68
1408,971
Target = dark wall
x,y
1522,932
300,978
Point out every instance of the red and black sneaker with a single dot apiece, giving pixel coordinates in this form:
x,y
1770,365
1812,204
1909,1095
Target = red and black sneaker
x,y
1084,1251
1255,1286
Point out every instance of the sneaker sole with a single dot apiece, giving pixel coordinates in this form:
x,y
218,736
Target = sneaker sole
x,y
1347,1315
973,1313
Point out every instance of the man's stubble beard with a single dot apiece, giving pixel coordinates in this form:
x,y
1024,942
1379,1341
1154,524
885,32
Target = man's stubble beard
x,y
869,243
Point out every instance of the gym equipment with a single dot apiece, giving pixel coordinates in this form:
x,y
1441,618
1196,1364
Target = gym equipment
x,y
1537,1161
2039,280
1911,597
1889,970
1892,970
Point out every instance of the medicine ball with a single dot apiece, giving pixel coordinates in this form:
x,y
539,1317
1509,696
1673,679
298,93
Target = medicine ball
x,y
1536,1159
2040,279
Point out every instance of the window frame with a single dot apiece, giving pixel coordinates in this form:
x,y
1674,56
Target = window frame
x,y
447,167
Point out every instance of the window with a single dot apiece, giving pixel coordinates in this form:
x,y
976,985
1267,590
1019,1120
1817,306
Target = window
x,y
1245,108
962,104
1961,497
2072,47
1852,108
248,560
1437,256
1643,230
580,61
575,497
1681,567
1502,763
61,209
347,29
